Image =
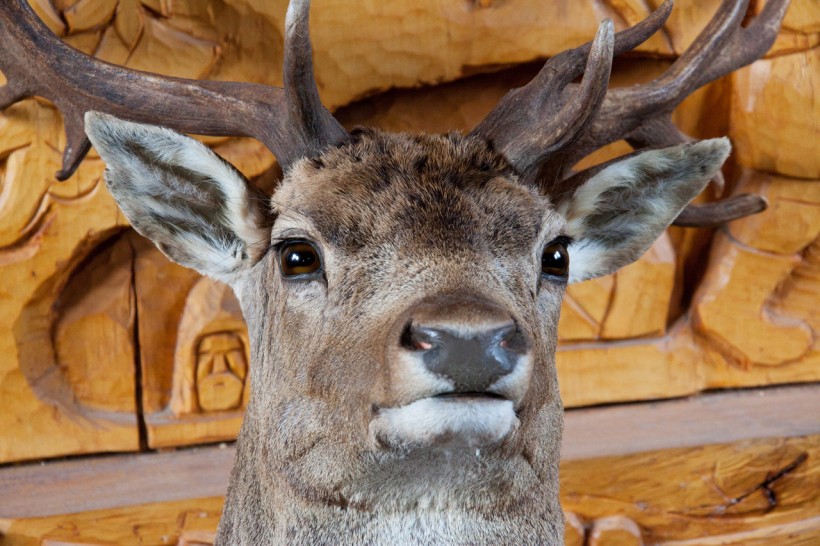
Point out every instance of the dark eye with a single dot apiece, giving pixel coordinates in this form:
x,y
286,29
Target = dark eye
x,y
555,260
299,258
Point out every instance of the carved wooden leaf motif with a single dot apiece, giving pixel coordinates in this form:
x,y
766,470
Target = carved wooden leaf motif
x,y
30,193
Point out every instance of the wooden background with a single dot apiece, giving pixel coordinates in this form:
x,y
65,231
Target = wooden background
x,y
105,346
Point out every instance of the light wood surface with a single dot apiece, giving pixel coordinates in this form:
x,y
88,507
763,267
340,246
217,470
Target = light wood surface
x,y
616,432
766,93
750,492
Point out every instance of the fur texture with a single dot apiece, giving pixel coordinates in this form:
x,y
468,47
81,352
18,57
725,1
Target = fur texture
x,y
342,441
197,208
618,213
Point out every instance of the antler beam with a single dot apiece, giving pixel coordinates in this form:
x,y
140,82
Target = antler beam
x,y
35,62
723,46
641,114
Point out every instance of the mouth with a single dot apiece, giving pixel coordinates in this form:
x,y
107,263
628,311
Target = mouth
x,y
468,396
449,419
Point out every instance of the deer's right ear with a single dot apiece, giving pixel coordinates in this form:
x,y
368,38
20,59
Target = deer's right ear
x,y
198,209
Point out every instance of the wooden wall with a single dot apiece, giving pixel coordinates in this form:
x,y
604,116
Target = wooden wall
x,y
108,347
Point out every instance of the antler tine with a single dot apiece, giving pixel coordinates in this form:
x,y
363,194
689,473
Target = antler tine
x,y
726,210
521,126
632,37
316,126
35,62
76,143
579,112
686,72
750,43
629,112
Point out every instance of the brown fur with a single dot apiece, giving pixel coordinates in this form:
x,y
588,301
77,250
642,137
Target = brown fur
x,y
398,218
345,439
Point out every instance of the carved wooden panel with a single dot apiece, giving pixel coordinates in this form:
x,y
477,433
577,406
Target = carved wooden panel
x,y
194,353
49,232
709,495
92,317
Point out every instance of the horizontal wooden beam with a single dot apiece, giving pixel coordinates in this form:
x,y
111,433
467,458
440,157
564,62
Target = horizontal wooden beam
x,y
715,418
65,487
94,483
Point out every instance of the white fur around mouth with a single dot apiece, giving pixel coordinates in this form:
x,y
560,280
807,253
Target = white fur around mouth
x,y
468,422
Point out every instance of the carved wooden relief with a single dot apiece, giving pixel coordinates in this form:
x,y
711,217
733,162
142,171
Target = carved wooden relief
x,y
709,495
194,353
93,317
211,357
49,233
221,370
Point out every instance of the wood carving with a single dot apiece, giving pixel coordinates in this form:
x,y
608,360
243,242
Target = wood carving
x,y
221,371
779,302
211,357
363,397
178,312
719,491
672,360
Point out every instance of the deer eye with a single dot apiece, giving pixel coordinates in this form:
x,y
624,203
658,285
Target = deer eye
x,y
299,258
555,260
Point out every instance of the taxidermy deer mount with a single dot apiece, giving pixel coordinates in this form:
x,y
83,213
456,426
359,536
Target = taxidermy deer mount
x,y
401,291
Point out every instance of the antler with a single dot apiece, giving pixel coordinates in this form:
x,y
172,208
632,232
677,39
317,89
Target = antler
x,y
639,114
642,113
291,123
537,120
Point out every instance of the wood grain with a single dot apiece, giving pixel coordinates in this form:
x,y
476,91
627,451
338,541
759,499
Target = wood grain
x,y
764,95
590,434
752,492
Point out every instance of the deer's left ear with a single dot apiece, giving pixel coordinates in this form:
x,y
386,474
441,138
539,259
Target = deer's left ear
x,y
197,208
616,215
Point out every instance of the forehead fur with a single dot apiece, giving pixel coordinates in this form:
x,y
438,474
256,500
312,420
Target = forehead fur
x,y
438,190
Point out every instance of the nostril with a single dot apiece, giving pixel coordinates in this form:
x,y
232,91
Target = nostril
x,y
509,338
414,338
502,335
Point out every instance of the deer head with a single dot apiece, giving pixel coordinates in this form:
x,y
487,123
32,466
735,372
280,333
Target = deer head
x,y
402,292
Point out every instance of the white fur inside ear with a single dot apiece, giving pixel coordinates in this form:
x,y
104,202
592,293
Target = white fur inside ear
x,y
616,215
242,215
584,259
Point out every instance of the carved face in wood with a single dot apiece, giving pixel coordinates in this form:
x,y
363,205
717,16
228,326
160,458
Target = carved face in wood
x,y
402,294
220,371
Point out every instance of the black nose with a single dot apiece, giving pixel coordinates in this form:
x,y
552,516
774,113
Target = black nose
x,y
472,361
